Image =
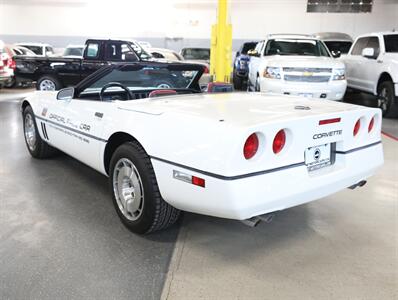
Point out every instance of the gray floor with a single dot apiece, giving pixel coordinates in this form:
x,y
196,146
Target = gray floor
x,y
60,237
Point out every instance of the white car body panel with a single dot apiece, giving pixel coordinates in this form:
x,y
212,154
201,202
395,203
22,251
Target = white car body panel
x,y
203,135
333,89
364,73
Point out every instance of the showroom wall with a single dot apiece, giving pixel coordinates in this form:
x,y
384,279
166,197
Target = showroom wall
x,y
72,21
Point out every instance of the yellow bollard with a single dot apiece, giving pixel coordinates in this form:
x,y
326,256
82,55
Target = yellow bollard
x,y
221,45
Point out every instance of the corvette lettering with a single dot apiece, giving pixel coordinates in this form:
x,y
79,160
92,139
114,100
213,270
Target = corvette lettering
x,y
327,134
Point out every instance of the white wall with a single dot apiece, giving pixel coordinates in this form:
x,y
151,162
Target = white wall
x,y
191,19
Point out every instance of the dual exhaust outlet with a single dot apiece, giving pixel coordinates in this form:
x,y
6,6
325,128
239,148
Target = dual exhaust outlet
x,y
267,218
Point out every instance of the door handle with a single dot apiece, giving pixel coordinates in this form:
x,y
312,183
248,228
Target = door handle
x,y
98,114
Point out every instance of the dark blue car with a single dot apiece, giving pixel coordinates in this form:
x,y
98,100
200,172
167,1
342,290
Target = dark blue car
x,y
241,65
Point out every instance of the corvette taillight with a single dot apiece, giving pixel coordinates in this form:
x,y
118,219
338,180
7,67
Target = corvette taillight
x,y
251,146
357,126
279,141
371,124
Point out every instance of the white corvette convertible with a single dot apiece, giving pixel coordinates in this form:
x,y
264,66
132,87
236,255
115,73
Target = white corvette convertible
x,y
229,155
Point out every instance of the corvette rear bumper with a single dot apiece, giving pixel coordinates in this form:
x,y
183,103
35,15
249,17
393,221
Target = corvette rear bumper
x,y
245,197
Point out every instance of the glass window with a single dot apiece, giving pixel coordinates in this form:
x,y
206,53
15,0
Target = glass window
x,y
248,46
391,42
146,78
120,52
38,50
75,51
142,54
92,50
295,47
339,6
342,47
49,50
359,46
196,53
373,42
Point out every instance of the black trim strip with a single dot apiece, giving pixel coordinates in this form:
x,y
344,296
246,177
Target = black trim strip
x,y
72,129
222,177
359,148
45,131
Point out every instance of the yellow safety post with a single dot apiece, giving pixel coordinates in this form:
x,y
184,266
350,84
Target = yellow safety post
x,y
221,45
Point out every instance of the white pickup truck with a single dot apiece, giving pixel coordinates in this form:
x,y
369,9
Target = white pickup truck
x,y
372,67
292,64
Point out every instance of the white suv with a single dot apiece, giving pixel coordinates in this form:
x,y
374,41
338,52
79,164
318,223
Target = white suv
x,y
296,65
372,67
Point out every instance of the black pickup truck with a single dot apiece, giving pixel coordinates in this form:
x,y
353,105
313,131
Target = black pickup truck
x,y
54,73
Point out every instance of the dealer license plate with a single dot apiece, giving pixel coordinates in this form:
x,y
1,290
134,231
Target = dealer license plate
x,y
318,157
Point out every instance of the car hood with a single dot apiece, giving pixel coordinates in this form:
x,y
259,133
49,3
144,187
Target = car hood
x,y
303,61
235,109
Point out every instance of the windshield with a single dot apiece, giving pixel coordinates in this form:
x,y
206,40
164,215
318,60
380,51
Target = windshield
x,y
342,47
248,46
140,51
391,42
38,50
78,51
148,77
295,47
196,54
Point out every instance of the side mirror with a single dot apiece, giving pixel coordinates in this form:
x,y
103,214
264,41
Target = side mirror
x,y
66,94
368,52
253,52
336,54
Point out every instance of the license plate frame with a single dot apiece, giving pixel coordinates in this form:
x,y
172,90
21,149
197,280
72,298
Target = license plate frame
x,y
306,95
318,157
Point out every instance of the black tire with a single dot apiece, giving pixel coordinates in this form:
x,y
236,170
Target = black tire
x,y
156,213
52,82
386,99
238,82
40,149
11,84
257,86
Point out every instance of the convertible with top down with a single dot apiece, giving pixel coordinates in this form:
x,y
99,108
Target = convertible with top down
x,y
166,147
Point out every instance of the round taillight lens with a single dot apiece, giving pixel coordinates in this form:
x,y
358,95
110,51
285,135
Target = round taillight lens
x,y
371,124
251,146
279,141
357,127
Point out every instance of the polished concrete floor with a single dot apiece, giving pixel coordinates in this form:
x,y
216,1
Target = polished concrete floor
x,y
60,238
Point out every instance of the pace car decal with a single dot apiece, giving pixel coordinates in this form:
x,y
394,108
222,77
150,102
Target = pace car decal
x,y
327,134
75,129
44,112
69,122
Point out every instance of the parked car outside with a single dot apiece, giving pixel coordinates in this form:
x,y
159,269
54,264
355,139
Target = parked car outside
x,y
372,67
338,43
241,65
40,49
74,51
296,65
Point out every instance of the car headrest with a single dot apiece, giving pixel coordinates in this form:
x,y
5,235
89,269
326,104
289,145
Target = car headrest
x,y
163,92
219,87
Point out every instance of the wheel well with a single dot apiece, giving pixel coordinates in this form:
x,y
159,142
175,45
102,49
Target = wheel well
x,y
113,143
383,77
24,104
